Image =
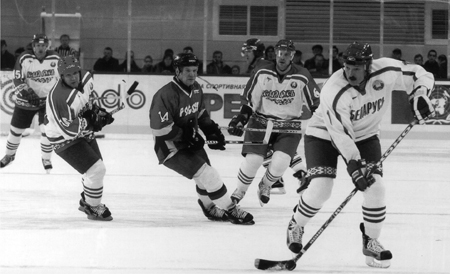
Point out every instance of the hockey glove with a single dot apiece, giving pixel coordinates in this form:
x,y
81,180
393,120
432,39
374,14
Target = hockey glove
x,y
213,133
357,170
237,124
97,118
190,135
105,116
421,105
30,96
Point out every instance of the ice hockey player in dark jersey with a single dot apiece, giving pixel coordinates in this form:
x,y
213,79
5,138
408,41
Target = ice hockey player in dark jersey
x,y
35,73
346,123
177,114
70,124
275,92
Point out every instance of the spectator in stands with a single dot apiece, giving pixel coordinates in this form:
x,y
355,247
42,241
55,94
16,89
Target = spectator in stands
x,y
341,58
336,64
8,60
107,63
18,52
397,54
269,54
418,59
235,70
431,65
166,65
133,66
442,61
320,66
217,66
148,65
64,49
310,63
298,58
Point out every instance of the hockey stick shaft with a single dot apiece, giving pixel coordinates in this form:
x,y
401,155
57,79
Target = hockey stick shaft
x,y
212,142
291,264
129,92
293,131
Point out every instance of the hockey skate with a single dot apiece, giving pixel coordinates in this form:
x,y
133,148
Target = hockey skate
x,y
238,216
213,213
263,193
237,196
47,165
376,255
96,213
7,160
303,183
278,187
294,236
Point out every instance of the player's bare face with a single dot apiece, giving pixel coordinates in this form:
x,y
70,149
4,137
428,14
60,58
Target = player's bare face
x,y
40,49
72,79
355,74
187,75
249,55
284,58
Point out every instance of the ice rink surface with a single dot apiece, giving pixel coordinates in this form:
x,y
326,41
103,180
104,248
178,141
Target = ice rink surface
x,y
159,228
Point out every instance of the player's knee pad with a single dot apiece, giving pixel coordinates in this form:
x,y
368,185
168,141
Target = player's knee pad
x,y
280,162
95,174
251,164
208,178
318,191
375,195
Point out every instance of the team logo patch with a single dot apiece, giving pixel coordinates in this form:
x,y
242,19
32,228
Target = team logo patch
x,y
378,85
164,117
293,85
53,64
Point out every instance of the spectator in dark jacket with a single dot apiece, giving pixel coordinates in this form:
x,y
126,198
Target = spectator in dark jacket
x,y
8,60
217,66
432,65
107,63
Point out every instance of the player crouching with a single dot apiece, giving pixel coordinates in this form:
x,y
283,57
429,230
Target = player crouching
x,y
177,114
70,124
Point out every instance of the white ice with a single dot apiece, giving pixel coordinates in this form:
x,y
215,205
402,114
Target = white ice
x,y
159,228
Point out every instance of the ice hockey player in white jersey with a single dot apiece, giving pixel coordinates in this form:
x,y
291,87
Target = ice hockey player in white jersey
x,y
346,123
275,92
70,124
35,73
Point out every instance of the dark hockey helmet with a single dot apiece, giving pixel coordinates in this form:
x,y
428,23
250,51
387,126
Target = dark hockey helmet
x,y
255,45
185,60
358,54
68,64
285,44
39,39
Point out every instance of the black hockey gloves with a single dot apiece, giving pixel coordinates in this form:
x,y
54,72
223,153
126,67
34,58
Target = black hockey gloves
x,y
190,135
421,104
97,118
236,125
213,133
357,170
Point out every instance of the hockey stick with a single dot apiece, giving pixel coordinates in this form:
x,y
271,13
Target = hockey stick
x,y
294,131
212,142
263,264
129,92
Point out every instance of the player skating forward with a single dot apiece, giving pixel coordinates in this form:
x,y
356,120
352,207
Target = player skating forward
x,y
352,104
177,113
35,73
71,121
274,92
253,51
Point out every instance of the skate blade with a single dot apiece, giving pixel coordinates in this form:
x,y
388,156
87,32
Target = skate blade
x,y
278,191
372,262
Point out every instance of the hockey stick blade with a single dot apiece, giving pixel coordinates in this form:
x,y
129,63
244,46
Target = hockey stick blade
x,y
132,88
262,264
129,92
